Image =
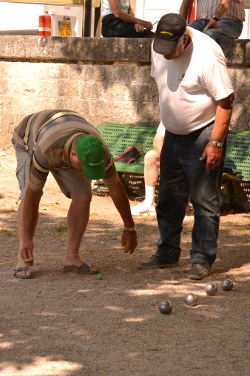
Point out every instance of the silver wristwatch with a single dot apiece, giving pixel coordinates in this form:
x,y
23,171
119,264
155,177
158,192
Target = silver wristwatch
x,y
219,144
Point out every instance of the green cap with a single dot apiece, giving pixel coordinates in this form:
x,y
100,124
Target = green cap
x,y
91,154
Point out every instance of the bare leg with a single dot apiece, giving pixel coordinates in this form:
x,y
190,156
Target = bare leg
x,y
77,220
26,229
22,264
151,165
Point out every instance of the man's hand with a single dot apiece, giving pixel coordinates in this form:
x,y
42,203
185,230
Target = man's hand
x,y
211,25
129,241
120,199
139,28
148,25
212,154
26,252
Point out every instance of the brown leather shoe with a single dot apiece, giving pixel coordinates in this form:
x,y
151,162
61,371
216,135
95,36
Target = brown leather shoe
x,y
198,271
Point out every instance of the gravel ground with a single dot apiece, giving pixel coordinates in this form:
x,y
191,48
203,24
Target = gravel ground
x,y
70,325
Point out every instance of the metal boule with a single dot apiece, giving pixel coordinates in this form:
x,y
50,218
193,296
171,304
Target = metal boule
x,y
190,300
211,289
165,307
227,284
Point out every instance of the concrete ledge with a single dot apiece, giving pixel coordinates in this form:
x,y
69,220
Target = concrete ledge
x,y
19,32
97,50
106,50
104,79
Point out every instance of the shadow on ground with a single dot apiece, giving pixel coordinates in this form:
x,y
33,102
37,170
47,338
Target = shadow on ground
x,y
69,325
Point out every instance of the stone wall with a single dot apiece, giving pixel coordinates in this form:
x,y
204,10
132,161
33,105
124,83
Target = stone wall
x,y
103,79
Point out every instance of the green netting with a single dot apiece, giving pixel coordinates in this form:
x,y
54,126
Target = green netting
x,y
237,160
120,136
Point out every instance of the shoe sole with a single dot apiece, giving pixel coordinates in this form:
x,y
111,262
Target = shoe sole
x,y
162,266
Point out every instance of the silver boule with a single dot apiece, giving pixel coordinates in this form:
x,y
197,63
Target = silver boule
x,y
165,307
227,284
211,289
190,300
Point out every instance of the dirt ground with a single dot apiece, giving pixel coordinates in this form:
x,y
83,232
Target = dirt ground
x,y
70,325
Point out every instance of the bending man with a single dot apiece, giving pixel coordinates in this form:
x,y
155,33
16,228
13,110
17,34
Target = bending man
x,y
65,144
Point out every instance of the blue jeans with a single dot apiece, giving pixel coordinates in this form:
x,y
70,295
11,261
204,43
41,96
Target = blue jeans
x,y
182,177
229,29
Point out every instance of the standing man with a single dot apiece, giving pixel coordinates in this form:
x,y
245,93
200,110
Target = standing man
x,y
220,19
65,144
195,97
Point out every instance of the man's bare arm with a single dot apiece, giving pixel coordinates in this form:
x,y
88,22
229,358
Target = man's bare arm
x,y
127,17
212,154
185,8
28,216
221,9
120,199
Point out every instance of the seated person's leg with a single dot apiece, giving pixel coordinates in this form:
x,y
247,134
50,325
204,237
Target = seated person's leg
x,y
229,29
198,24
151,165
113,27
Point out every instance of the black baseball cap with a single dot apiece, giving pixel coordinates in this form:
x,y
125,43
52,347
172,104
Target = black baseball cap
x,y
169,30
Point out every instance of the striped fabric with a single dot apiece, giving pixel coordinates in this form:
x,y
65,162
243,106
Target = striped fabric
x,y
106,9
47,136
207,8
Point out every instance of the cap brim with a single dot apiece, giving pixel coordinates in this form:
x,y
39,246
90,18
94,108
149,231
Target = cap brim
x,y
94,173
163,46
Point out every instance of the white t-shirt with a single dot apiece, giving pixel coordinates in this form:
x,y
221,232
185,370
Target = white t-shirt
x,y
161,129
189,85
124,4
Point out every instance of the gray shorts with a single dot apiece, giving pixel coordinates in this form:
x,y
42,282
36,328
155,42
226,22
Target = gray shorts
x,y
69,180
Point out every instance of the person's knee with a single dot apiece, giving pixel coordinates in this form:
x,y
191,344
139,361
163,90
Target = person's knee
x,y
214,34
151,158
197,25
81,199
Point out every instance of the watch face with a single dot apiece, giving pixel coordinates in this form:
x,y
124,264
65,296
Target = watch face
x,y
217,143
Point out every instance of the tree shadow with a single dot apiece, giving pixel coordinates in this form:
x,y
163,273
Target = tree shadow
x,y
69,325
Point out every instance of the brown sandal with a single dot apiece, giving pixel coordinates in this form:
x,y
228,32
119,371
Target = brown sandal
x,y
23,269
82,269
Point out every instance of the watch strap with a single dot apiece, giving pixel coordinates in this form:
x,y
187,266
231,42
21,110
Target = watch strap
x,y
219,144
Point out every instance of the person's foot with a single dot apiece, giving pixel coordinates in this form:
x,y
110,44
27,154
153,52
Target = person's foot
x,y
23,271
75,261
82,269
198,271
143,208
154,263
